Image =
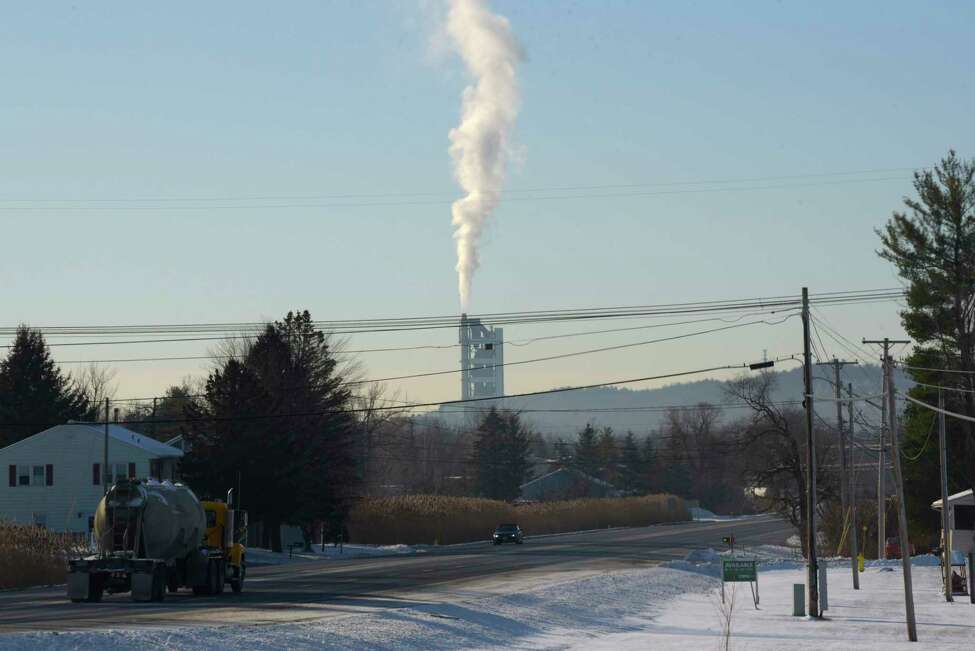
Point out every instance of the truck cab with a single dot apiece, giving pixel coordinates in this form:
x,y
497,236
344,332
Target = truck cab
x,y
226,534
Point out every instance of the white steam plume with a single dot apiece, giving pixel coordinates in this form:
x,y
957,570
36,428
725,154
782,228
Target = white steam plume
x,y
480,145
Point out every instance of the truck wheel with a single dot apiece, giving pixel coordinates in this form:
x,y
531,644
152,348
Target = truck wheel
x,y
158,583
96,589
238,584
213,578
221,576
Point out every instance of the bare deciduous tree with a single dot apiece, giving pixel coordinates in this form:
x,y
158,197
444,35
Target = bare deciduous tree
x,y
772,441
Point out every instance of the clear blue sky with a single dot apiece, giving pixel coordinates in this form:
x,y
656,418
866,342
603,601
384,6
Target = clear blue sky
x,y
121,100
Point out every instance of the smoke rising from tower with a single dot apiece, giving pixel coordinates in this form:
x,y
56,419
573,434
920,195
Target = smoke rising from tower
x,y
480,144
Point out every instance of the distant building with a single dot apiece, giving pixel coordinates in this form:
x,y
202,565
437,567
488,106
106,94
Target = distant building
x,y
481,360
567,484
54,478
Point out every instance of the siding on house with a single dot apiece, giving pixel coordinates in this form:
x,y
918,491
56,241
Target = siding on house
x,y
62,465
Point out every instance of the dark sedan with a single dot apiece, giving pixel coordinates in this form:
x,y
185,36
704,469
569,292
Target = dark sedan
x,y
508,533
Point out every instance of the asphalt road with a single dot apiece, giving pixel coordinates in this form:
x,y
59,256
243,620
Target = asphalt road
x,y
317,589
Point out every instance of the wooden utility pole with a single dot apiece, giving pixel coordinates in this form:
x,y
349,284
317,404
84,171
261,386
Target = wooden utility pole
x,y
854,543
881,462
837,364
105,467
903,539
945,531
811,563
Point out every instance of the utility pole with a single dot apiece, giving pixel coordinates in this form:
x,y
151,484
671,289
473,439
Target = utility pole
x,y
105,467
904,541
945,532
854,546
837,364
811,564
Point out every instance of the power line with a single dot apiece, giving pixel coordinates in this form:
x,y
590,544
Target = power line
x,y
516,342
597,385
526,361
280,197
144,206
426,323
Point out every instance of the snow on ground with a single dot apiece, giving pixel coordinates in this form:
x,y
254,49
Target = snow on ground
x,y
257,556
675,606
872,618
529,616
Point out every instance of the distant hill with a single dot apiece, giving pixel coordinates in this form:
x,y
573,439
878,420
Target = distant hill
x,y
866,380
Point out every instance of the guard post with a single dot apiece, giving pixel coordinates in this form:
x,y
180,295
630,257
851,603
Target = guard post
x,y
740,571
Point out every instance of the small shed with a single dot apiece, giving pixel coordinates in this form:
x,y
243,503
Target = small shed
x,y
961,521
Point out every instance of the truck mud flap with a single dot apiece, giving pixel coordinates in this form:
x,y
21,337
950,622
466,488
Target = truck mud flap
x,y
84,586
78,584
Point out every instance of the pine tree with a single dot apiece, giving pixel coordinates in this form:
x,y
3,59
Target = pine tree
x,y
287,412
649,477
34,394
586,452
632,466
932,247
608,455
501,448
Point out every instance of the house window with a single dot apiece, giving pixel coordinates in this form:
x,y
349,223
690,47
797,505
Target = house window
x,y
121,471
37,476
96,475
23,475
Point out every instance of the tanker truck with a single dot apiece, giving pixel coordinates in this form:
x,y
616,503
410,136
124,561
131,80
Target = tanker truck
x,y
156,536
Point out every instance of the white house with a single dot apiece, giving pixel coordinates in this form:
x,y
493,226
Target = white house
x,y
55,477
961,520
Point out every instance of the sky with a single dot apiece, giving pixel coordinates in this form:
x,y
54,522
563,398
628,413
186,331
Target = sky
x,y
196,162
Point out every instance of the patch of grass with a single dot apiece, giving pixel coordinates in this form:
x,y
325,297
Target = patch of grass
x,y
429,519
31,556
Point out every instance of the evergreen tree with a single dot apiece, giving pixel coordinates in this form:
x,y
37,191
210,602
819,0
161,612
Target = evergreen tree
x,y
608,455
932,246
586,452
288,422
501,448
649,477
632,466
34,394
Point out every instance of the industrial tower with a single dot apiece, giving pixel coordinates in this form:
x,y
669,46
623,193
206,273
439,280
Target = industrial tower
x,y
481,360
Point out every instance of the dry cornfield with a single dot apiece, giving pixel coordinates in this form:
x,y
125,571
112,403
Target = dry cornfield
x,y
32,556
435,519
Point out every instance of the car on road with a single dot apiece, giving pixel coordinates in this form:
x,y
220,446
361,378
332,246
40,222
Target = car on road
x,y
508,533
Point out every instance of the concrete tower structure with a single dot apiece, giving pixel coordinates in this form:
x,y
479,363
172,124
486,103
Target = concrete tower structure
x,y
481,360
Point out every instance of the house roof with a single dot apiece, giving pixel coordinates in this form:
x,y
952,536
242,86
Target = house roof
x,y
572,471
964,497
117,433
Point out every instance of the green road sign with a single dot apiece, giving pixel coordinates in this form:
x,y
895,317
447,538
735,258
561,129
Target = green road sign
x,y
732,571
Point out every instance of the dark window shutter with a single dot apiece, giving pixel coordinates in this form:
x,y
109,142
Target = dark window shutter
x,y
132,471
96,475
13,475
49,474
